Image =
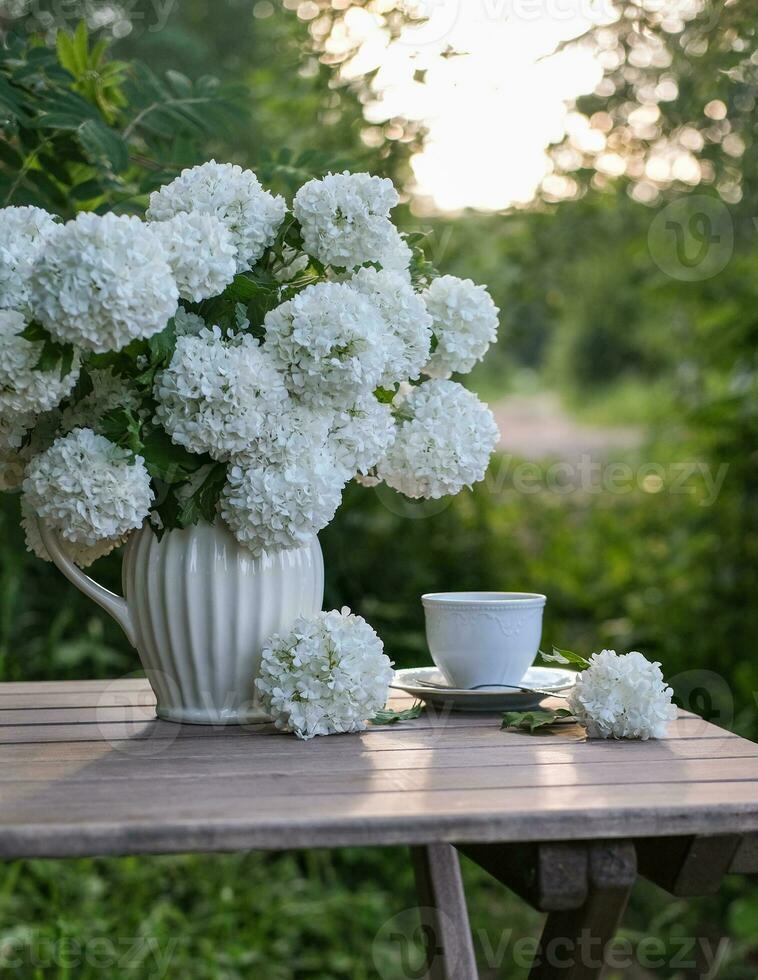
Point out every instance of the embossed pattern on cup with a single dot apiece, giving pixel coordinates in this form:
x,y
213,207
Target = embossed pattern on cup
x,y
483,637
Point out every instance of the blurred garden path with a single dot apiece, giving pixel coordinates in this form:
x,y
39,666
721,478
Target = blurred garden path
x,y
538,426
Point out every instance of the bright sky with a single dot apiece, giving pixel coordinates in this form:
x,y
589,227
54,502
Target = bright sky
x,y
493,110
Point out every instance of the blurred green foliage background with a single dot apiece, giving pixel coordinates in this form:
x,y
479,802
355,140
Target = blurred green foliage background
x,y
598,308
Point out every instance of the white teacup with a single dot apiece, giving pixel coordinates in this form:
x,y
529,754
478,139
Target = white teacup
x,y
478,638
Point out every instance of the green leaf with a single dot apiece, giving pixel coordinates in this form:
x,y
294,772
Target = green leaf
x,y
384,395
34,332
9,156
534,720
201,505
166,507
64,45
565,657
389,717
87,190
168,462
122,426
241,320
163,344
52,353
81,46
103,145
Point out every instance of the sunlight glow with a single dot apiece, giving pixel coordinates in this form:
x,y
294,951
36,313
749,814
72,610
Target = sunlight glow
x,y
491,110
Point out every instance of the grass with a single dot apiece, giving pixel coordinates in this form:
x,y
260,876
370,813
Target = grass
x,y
311,915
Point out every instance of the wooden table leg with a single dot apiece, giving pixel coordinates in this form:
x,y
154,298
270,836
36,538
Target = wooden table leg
x,y
574,942
688,866
449,949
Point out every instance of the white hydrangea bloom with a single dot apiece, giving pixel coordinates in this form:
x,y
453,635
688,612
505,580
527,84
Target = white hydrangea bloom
x,y
622,696
87,489
22,387
329,341
201,253
109,392
234,196
354,438
13,431
103,281
396,255
409,334
188,324
345,219
216,393
465,324
281,505
327,676
82,555
294,432
362,434
443,443
23,232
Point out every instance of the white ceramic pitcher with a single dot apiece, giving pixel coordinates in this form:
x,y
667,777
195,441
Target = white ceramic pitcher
x,y
198,606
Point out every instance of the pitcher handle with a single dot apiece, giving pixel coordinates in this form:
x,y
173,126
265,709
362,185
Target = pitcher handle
x,y
109,601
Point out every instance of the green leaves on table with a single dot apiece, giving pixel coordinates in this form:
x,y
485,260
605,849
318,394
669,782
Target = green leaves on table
x,y
389,717
532,721
566,658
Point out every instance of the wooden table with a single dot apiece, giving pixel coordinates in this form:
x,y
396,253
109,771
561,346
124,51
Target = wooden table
x,y
85,769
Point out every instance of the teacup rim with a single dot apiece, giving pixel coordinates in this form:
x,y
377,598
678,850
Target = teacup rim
x,y
483,598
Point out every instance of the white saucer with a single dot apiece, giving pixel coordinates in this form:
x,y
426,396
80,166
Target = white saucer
x,y
549,679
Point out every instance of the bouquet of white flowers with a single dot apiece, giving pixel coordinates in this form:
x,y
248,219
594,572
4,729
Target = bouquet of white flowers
x,y
228,358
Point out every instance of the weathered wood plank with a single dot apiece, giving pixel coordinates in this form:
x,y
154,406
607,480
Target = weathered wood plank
x,y
118,732
35,688
110,696
290,776
360,751
178,819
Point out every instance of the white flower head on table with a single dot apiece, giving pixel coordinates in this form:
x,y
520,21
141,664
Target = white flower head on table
x,y
327,676
615,696
622,696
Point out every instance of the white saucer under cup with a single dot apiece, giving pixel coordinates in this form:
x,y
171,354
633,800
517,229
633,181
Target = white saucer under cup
x,y
478,638
427,684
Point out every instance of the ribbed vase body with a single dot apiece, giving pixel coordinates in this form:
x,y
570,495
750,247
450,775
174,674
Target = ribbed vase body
x,y
203,606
